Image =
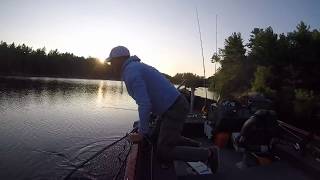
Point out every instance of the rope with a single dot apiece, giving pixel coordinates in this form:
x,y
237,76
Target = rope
x,y
151,163
151,158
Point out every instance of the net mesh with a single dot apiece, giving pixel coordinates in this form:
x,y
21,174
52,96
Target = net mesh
x,y
109,164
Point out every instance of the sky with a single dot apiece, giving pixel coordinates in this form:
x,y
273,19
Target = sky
x,y
163,33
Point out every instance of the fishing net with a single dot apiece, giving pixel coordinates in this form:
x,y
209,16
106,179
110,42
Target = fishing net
x,y
107,163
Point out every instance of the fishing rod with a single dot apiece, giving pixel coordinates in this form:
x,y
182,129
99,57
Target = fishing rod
x,y
215,61
202,55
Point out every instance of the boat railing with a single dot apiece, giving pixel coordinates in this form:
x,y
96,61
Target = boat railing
x,y
299,133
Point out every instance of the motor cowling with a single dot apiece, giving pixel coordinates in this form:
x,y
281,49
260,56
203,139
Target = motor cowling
x,y
259,129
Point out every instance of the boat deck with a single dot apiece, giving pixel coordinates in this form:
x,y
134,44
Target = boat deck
x,y
228,169
289,164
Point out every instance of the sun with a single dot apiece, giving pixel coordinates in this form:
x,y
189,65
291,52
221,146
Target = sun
x,y
101,60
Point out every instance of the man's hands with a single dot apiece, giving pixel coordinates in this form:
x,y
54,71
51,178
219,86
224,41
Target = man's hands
x,y
135,137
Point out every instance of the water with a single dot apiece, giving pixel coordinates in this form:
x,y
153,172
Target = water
x,y
41,116
201,91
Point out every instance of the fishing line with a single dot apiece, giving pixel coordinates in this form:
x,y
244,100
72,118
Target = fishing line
x,y
120,108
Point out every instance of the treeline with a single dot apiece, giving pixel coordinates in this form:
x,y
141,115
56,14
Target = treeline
x,y
187,79
284,67
24,61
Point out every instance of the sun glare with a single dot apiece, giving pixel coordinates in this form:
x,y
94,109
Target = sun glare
x,y
101,61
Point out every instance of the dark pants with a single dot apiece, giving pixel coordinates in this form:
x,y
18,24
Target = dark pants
x,y
171,145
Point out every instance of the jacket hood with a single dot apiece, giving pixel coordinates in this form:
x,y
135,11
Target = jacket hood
x,y
129,60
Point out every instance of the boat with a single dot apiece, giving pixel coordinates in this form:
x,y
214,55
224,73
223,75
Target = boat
x,y
286,153
253,144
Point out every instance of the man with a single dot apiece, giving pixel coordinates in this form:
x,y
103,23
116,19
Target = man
x,y
154,93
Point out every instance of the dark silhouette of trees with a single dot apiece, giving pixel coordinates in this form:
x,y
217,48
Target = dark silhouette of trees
x,y
188,79
285,67
24,61
233,61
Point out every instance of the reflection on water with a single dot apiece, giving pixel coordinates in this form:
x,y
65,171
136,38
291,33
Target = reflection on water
x,y
100,93
56,115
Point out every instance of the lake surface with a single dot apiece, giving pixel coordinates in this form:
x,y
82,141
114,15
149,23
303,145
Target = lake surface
x,y
43,115
44,118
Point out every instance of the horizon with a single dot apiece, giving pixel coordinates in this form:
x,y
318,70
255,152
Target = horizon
x,y
157,32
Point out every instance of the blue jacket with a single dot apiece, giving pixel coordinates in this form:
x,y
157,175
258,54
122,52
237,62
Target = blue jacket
x,y
149,88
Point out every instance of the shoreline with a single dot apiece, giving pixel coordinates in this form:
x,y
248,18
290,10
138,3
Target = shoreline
x,y
56,76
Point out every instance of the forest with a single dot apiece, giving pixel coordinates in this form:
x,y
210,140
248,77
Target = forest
x,y
283,67
21,60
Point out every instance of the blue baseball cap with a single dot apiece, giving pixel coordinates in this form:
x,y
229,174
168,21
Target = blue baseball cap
x,y
118,51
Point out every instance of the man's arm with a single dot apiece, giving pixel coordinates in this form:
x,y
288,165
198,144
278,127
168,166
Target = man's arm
x,y
141,96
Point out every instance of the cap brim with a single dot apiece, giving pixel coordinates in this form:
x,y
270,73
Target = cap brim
x,y
108,59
